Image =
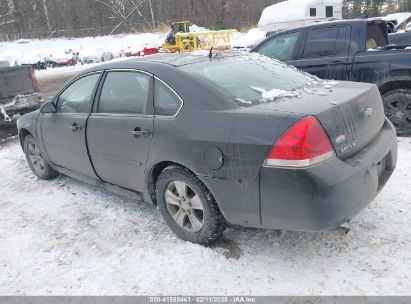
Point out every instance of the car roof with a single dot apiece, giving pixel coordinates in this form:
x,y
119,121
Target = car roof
x,y
164,59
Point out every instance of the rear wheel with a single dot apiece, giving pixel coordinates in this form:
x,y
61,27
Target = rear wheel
x,y
38,164
188,207
397,105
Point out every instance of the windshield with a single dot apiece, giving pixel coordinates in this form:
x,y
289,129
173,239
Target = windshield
x,y
252,78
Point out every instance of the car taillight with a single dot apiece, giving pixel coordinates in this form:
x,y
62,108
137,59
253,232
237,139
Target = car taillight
x,y
34,79
304,144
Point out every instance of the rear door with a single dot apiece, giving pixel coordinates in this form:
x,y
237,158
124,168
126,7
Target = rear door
x,y
120,128
282,47
325,52
64,132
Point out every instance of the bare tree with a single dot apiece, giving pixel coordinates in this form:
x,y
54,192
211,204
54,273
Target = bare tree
x,y
79,18
46,14
122,10
152,15
9,16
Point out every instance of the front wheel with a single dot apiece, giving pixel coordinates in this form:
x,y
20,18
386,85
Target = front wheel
x,y
37,163
397,104
188,207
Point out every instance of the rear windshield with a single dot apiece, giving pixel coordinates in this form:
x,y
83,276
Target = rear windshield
x,y
251,79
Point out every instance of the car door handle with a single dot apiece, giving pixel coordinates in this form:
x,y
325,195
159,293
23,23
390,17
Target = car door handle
x,y
75,127
138,133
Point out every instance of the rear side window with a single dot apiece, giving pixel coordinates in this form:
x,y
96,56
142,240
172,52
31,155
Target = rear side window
x,y
281,47
167,103
77,97
376,36
125,93
326,42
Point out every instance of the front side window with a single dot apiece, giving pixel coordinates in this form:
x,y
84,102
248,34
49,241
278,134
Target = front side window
x,y
125,93
77,97
281,47
247,77
167,102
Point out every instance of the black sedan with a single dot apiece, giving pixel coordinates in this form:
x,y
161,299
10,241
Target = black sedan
x,y
236,139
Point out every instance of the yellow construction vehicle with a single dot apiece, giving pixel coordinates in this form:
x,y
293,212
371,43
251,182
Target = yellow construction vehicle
x,y
176,27
179,39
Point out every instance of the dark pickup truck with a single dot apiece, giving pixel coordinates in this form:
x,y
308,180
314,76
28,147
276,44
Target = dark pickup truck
x,y
354,50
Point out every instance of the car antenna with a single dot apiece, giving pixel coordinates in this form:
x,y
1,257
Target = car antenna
x,y
210,55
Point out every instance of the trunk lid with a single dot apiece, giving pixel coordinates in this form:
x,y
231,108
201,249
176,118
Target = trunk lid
x,y
352,114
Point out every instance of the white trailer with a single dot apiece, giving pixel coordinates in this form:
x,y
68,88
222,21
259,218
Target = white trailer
x,y
294,13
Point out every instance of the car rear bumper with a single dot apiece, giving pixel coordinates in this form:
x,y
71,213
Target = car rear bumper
x,y
329,194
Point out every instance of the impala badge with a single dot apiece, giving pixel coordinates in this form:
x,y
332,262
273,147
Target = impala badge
x,y
368,112
348,148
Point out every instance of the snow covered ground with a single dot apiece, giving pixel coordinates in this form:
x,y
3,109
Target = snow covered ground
x,y
63,237
32,51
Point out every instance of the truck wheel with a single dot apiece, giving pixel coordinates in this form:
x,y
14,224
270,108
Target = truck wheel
x,y
397,104
37,163
188,207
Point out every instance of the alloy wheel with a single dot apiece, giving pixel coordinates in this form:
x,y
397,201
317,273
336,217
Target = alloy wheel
x,y
36,158
399,112
184,206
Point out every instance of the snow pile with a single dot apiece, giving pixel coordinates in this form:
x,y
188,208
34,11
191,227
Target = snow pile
x,y
277,93
198,29
63,237
247,40
273,94
32,51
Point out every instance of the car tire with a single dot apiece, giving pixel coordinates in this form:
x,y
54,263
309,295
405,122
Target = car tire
x,y
188,207
397,104
37,163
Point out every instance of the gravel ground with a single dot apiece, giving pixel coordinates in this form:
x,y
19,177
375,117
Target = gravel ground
x,y
63,237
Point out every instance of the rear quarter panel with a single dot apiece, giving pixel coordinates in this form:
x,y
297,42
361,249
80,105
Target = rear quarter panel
x,y
381,67
255,132
207,119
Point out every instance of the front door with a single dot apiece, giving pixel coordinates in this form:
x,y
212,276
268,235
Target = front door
x,y
64,132
282,47
119,131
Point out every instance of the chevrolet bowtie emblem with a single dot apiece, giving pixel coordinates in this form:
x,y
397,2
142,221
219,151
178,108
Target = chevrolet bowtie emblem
x,y
368,112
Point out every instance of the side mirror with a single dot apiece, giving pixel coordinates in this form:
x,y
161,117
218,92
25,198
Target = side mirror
x,y
48,107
